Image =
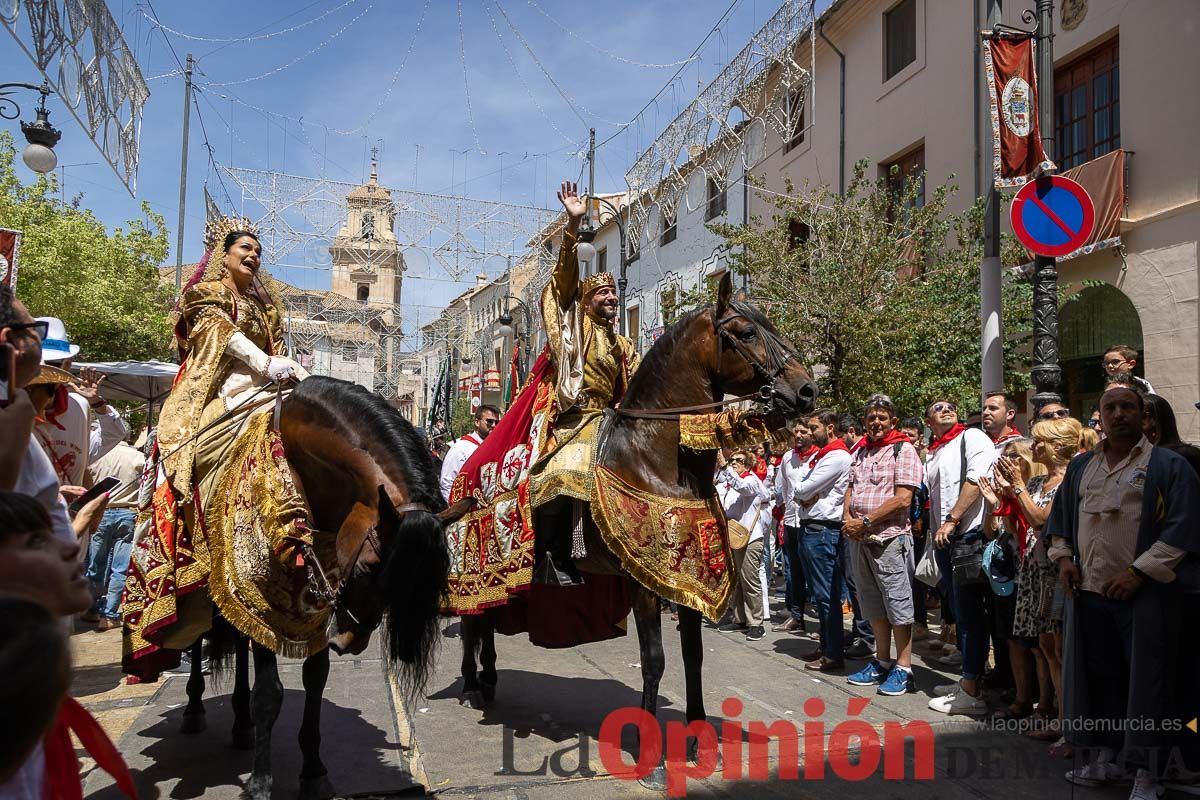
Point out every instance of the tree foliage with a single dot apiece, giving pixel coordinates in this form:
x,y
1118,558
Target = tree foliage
x,y
104,287
880,291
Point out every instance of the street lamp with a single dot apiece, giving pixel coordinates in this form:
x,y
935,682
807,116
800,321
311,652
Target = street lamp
x,y
506,329
39,154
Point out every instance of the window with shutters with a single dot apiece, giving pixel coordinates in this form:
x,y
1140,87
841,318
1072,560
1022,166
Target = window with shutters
x,y
1087,106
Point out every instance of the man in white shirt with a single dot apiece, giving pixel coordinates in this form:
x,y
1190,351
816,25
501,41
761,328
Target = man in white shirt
x,y
819,493
958,457
108,553
69,436
486,418
792,468
746,499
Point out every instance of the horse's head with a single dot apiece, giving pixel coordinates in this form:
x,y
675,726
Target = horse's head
x,y
752,356
395,567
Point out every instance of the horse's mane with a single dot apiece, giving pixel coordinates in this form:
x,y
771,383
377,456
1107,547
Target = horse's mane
x,y
416,565
365,419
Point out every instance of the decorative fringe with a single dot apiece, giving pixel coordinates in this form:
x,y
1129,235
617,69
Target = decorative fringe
x,y
730,428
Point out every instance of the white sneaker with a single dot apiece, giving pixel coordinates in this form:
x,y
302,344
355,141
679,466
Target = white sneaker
x,y
1146,787
959,702
1097,773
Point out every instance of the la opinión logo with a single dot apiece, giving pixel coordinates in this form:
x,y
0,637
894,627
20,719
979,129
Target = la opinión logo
x,y
847,737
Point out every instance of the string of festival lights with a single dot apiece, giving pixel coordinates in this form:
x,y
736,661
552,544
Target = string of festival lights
x,y
243,39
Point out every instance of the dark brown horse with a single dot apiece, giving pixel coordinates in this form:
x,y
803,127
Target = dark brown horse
x,y
370,483
728,348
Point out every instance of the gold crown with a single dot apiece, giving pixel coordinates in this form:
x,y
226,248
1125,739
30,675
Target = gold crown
x,y
597,281
217,229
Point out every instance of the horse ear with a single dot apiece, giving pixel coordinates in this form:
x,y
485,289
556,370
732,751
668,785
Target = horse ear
x,y
388,518
724,294
456,511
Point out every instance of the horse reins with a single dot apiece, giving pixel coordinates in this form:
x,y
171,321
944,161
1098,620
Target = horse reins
x,y
778,355
326,590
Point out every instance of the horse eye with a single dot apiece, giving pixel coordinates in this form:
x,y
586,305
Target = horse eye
x,y
748,334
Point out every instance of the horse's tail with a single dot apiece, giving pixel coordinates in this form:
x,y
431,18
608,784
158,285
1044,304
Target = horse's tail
x,y
415,580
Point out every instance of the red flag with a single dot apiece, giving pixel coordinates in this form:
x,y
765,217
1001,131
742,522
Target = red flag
x,y
10,248
1017,152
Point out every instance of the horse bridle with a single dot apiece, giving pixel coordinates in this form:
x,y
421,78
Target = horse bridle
x,y
325,588
778,354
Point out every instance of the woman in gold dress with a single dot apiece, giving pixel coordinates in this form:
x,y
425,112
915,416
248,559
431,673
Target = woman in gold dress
x,y
230,340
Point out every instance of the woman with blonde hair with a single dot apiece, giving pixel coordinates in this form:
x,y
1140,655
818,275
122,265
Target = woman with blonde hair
x,y
1088,439
1056,442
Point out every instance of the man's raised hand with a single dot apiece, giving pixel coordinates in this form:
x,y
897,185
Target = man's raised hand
x,y
575,205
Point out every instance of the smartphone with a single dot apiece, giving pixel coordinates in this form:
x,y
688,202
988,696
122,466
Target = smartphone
x,y
106,485
8,367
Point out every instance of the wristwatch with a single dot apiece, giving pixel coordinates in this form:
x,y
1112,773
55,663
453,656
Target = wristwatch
x,y
953,520
866,521
98,403
1018,491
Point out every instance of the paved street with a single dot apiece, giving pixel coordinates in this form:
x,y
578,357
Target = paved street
x,y
547,702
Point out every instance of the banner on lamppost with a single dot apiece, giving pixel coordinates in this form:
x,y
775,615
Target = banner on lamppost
x,y
1017,152
10,249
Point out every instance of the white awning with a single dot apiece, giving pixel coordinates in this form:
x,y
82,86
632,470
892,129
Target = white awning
x,y
141,381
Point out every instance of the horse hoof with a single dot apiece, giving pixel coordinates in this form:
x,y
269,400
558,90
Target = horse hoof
x,y
243,738
316,788
193,723
258,788
656,781
693,756
472,698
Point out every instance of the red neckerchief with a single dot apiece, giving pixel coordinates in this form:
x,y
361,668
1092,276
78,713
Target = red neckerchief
x,y
1011,508
834,444
62,767
812,449
891,437
743,474
947,437
473,439
1010,433
760,469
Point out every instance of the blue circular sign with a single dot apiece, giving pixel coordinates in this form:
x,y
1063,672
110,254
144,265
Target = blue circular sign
x,y
1052,216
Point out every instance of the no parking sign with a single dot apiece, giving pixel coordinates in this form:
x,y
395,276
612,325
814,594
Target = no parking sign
x,y
1052,216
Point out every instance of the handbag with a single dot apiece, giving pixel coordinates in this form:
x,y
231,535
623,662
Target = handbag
x,y
739,534
928,571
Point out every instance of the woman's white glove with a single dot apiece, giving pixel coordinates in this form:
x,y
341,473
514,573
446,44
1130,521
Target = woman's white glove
x,y
281,370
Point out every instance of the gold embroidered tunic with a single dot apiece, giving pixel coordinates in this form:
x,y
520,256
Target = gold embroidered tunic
x,y
593,364
212,380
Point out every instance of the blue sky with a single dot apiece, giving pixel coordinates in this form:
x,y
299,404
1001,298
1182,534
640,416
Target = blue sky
x,y
344,62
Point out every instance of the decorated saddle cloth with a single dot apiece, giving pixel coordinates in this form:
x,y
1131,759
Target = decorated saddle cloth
x,y
243,552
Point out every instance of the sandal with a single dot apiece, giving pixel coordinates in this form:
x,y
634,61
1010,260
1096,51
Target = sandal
x,y
1061,749
1014,711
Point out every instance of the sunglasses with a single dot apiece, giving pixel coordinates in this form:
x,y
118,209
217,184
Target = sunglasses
x,y
938,408
490,422
40,327
1062,413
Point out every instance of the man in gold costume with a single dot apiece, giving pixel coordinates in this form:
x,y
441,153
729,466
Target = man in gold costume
x,y
593,364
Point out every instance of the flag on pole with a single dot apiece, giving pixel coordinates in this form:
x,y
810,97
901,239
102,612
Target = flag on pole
x,y
1017,152
512,380
10,248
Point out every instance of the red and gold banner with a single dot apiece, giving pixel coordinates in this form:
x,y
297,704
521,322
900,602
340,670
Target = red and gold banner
x,y
1017,152
10,249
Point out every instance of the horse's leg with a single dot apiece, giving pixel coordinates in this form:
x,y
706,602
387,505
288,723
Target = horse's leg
x,y
471,695
266,701
487,659
193,714
243,723
314,780
693,661
649,627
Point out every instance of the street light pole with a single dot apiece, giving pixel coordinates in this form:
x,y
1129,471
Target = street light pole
x,y
1046,373
183,165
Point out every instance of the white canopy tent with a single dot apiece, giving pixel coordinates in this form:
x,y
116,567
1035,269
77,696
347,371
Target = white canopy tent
x,y
146,382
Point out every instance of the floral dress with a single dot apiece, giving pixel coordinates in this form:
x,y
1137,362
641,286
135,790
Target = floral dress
x,y
1037,577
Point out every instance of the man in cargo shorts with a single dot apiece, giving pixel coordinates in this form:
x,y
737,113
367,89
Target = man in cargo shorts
x,y
883,476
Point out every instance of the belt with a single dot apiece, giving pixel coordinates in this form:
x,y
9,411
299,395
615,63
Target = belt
x,y
824,523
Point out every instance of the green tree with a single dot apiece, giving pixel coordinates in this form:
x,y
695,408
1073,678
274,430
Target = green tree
x,y
462,419
879,290
104,287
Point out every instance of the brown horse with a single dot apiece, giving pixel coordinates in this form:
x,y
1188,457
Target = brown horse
x,y
370,483
729,348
